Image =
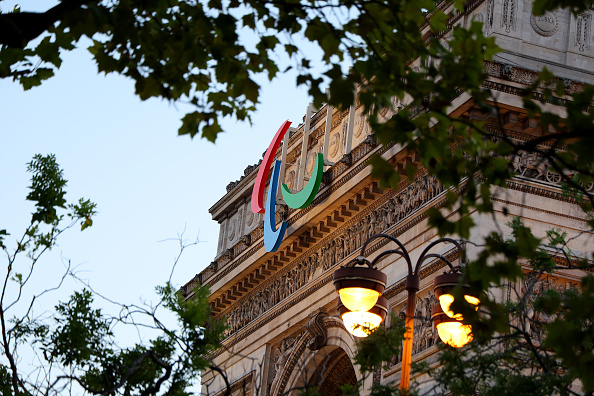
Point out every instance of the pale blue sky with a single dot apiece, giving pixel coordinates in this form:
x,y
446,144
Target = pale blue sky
x,y
126,156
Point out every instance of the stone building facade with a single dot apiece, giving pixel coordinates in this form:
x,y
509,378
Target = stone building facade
x,y
283,328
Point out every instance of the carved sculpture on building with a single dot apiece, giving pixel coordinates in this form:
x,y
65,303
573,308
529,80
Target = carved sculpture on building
x,y
279,357
534,166
508,15
334,145
545,25
490,7
317,328
583,31
335,250
221,237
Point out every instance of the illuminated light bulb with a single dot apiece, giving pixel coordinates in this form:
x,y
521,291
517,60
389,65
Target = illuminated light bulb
x,y
472,300
455,334
446,300
361,324
358,298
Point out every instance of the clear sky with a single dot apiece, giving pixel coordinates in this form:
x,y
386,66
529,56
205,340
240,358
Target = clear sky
x,y
125,155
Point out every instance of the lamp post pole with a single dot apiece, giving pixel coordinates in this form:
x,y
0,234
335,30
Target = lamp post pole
x,y
412,287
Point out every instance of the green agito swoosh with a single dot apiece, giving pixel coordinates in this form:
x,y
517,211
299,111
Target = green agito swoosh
x,y
304,197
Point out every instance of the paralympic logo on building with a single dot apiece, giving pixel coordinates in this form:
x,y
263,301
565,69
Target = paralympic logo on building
x,y
299,200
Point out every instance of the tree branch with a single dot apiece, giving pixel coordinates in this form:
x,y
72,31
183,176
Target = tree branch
x,y
19,28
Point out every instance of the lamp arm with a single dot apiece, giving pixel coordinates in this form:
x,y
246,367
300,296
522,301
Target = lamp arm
x,y
403,252
439,256
441,240
360,260
391,251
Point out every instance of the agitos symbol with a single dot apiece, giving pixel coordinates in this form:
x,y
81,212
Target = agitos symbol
x,y
272,236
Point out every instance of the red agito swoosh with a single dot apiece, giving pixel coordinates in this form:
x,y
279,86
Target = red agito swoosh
x,y
258,191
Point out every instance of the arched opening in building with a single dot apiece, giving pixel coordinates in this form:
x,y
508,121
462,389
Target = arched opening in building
x,y
334,370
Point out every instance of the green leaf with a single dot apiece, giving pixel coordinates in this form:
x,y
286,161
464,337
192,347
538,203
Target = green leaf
x,y
438,21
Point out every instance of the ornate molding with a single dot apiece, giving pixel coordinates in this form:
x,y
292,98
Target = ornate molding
x,y
317,328
385,212
523,76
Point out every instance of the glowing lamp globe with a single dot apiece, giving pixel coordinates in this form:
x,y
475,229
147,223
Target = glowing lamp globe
x,y
361,324
451,331
359,287
358,299
443,285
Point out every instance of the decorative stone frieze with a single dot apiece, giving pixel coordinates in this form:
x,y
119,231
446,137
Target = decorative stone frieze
x,y
524,76
332,250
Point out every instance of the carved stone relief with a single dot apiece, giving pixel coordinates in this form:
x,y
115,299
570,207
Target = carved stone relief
x,y
479,18
317,328
343,133
489,16
536,167
287,353
240,228
311,161
545,25
334,251
524,76
221,237
279,357
335,370
352,234
387,112
508,15
360,125
582,31
249,218
334,145
232,227
291,179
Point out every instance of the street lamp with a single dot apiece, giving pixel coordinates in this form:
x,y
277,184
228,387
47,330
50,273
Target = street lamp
x,y
359,282
444,284
451,331
360,323
359,287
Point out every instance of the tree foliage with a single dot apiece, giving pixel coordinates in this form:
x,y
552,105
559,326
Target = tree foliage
x,y
76,349
413,51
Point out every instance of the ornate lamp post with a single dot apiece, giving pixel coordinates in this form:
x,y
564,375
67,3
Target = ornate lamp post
x,y
362,308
